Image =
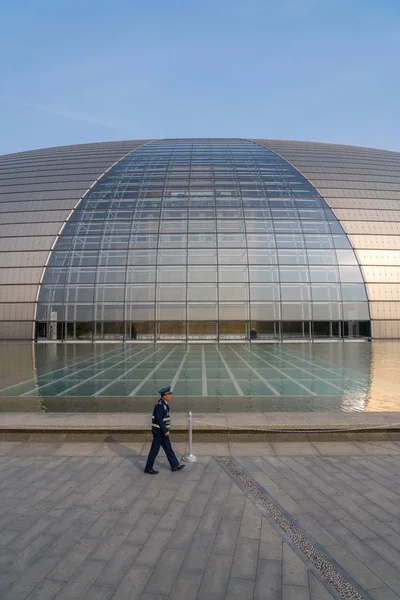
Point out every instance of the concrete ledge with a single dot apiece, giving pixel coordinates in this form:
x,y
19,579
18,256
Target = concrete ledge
x,y
248,426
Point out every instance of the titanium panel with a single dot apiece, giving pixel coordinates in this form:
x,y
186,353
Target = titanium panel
x,y
349,214
18,244
377,242
384,291
385,310
372,228
381,274
27,259
29,229
17,312
20,275
385,329
369,203
379,257
45,205
16,330
18,293
39,216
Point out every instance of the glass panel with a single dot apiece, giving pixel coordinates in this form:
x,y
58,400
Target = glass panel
x,y
112,258
171,274
354,292
228,312
110,330
115,275
202,257
170,330
324,273
235,330
139,330
293,274
326,292
264,292
233,240
172,257
265,311
326,311
232,257
341,241
79,294
168,312
264,330
262,226
202,330
140,293
292,257
233,292
200,225
350,275
169,293
139,312
322,329
142,257
356,311
262,257
202,311
295,292
202,240
263,274
294,329
346,257
233,274
205,292
108,312
300,311
321,257
202,274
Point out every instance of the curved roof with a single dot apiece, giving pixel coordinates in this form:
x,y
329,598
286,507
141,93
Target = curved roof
x,y
40,188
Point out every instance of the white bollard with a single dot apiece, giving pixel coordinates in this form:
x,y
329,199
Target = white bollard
x,y
190,457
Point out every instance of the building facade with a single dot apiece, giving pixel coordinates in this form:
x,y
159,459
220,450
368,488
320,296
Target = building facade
x,y
200,240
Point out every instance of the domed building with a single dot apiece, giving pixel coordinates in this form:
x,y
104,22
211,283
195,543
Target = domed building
x,y
200,240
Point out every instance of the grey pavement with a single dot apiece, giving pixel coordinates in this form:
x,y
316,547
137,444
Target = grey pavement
x,y
82,521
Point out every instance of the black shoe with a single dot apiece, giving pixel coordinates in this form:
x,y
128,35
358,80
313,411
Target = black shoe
x,y
179,467
151,472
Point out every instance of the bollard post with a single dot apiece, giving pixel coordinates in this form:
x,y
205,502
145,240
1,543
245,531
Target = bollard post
x,y
190,457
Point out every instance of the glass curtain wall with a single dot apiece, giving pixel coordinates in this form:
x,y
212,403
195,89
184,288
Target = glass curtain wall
x,y
202,240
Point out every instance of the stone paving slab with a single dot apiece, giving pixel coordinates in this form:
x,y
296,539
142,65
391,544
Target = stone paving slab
x,y
84,521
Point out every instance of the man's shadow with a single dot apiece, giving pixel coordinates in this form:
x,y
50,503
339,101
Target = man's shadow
x,y
138,460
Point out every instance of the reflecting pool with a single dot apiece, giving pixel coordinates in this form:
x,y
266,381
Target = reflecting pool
x,y
352,376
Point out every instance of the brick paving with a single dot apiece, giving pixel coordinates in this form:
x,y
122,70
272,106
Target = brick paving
x,y
82,521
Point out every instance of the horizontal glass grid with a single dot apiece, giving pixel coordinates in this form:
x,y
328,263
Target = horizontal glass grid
x,y
219,228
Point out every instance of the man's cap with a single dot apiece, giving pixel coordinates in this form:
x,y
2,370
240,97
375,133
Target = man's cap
x,y
166,390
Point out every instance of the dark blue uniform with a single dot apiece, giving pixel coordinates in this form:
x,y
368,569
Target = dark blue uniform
x,y
161,422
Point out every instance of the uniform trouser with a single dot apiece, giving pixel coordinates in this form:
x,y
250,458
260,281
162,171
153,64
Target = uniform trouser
x,y
161,440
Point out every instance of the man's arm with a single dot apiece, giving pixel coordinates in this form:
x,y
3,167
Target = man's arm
x,y
159,414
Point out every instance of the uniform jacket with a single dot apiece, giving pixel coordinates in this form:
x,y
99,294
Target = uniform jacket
x,y
161,420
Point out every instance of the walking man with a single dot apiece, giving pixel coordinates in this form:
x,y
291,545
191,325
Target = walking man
x,y
161,422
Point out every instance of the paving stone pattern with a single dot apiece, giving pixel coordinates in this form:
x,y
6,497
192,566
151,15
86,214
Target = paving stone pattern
x,y
82,521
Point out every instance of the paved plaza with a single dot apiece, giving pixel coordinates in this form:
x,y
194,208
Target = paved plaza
x,y
82,520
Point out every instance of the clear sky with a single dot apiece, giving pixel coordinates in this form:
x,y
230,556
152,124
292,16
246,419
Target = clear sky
x,y
89,70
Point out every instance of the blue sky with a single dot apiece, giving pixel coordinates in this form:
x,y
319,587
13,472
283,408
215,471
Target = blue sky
x,y
87,71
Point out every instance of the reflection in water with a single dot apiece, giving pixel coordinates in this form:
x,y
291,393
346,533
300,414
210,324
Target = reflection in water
x,y
384,393
352,376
